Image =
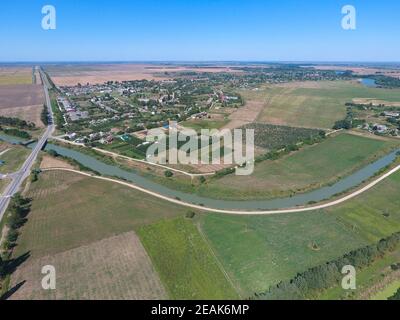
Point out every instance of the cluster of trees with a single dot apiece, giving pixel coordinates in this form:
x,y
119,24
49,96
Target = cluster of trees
x,y
58,117
386,82
16,133
15,122
224,172
349,122
314,280
44,116
17,211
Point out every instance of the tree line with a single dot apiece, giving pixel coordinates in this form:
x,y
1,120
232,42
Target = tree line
x,y
15,122
44,116
16,133
16,214
315,280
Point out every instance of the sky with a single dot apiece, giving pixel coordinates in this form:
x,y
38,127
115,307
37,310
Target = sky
x,y
199,30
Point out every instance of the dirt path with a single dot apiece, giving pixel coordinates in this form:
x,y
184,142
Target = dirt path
x,y
243,212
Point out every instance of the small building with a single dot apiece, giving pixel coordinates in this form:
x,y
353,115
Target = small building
x,y
391,114
380,128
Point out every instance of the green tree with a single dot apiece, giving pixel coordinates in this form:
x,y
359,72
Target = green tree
x,y
168,173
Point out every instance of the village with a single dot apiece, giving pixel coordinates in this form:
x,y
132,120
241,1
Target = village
x,y
121,113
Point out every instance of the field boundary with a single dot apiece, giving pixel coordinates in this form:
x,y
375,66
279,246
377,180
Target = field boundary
x,y
219,263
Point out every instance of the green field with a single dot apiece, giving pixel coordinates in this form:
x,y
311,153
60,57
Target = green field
x,y
283,245
260,251
307,169
204,124
315,105
13,158
374,214
184,261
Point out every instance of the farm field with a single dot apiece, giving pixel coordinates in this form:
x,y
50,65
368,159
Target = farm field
x,y
184,261
22,101
15,75
13,158
319,106
113,268
306,169
283,245
95,220
70,75
87,211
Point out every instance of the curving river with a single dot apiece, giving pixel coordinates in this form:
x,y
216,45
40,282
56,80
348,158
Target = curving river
x,y
318,195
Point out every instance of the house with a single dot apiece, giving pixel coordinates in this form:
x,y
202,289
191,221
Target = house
x,y
107,140
125,137
380,128
71,136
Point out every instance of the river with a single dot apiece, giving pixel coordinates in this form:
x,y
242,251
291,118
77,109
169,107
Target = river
x,y
318,195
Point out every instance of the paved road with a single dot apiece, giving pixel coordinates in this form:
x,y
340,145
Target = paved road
x,y
24,172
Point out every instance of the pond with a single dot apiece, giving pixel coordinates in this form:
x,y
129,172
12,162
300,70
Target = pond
x,y
370,83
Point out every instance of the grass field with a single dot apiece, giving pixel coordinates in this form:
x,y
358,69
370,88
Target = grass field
x,y
374,214
283,245
184,261
13,158
314,105
306,169
260,251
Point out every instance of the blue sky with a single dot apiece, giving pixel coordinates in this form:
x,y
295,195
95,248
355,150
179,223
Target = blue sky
x,y
200,30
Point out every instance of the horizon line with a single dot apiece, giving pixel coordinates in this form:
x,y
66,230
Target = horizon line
x,y
202,61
